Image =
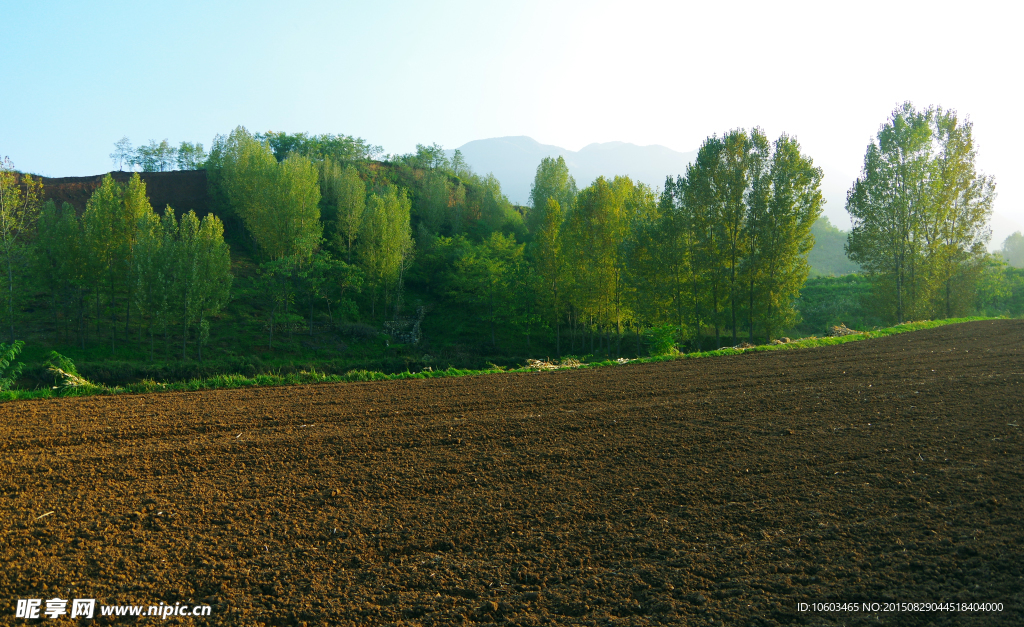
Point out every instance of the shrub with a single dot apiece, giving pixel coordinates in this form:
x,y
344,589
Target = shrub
x,y
8,371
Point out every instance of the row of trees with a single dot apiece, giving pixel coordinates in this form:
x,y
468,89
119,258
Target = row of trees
x,y
920,215
158,157
723,246
140,273
721,251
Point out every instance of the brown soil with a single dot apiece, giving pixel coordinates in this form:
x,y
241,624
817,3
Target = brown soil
x,y
712,491
184,190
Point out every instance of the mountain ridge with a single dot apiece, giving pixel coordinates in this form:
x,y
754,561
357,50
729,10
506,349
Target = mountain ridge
x,y
513,160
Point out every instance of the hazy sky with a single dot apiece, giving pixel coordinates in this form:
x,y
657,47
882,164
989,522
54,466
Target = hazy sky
x,y
80,75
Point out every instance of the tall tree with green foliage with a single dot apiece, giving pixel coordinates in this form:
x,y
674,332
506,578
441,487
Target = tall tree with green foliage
x,y
549,262
343,188
277,202
211,288
151,270
434,201
784,233
919,213
20,201
961,204
551,181
55,243
485,277
386,245
704,202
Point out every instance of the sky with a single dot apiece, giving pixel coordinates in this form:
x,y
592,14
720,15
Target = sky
x,y
80,75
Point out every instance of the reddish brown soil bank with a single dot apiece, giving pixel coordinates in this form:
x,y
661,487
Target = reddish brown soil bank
x,y
715,491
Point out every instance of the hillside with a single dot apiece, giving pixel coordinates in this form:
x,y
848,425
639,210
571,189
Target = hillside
x,y
184,190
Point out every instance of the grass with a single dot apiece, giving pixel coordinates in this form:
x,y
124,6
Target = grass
x,y
231,381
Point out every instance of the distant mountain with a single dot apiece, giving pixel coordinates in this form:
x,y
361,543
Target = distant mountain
x,y
514,161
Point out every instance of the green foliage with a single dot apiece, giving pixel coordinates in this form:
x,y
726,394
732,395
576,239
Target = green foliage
x,y
920,213
552,182
1000,289
339,148
156,157
343,191
386,245
20,201
65,375
191,156
277,202
9,371
830,301
662,340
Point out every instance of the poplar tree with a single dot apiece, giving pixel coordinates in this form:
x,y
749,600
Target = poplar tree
x,y
212,289
920,211
703,201
886,204
151,273
349,196
550,265
20,202
277,202
551,181
386,244
784,233
961,208
58,260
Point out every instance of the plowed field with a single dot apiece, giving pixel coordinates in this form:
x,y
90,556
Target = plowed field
x,y
715,491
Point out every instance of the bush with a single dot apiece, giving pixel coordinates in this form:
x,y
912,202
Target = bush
x,y
64,373
662,340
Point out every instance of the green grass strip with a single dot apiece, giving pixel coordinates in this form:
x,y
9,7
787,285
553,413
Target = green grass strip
x,y
232,381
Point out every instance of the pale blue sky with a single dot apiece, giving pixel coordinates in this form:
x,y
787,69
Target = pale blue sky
x,y
80,75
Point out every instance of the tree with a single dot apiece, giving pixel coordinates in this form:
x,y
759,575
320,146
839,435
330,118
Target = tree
x,y
191,156
484,277
211,265
460,168
110,225
386,244
961,206
153,261
123,153
784,233
920,213
277,202
703,201
1013,250
155,157
887,204
550,265
434,201
20,199
551,181
345,190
